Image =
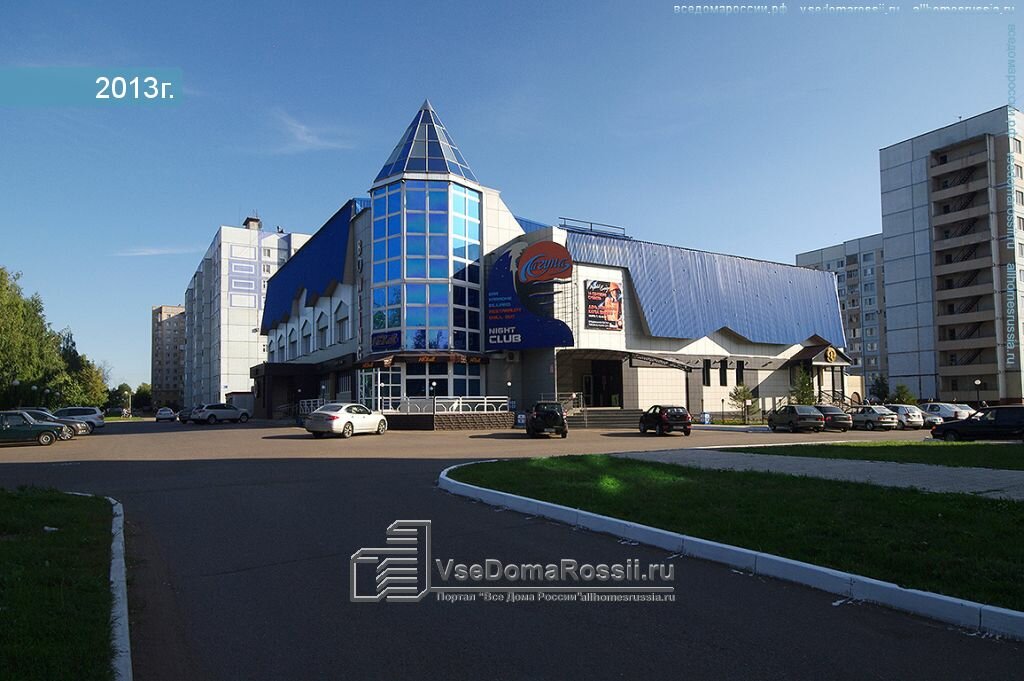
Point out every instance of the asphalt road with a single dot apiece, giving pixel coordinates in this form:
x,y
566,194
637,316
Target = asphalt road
x,y
239,540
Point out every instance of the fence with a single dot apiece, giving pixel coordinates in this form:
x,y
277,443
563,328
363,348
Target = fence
x,y
440,405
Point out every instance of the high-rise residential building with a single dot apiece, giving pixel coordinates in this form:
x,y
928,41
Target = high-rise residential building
x,y
167,364
223,307
952,223
859,271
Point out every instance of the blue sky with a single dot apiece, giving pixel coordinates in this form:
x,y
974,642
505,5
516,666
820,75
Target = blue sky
x,y
751,135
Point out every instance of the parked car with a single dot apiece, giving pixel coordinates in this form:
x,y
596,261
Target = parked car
x,y
664,419
74,426
214,413
17,426
345,419
874,417
546,417
945,411
835,418
908,415
185,414
971,411
91,415
993,423
796,417
931,420
165,414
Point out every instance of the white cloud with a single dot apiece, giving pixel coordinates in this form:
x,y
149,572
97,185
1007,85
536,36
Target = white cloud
x,y
301,137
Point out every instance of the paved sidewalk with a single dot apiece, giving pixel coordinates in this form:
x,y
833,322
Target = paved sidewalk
x,y
986,482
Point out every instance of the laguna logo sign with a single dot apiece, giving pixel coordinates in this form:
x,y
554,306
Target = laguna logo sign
x,y
544,261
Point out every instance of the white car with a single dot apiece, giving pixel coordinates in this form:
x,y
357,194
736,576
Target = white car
x,y
946,411
909,415
345,419
165,414
971,411
91,415
215,413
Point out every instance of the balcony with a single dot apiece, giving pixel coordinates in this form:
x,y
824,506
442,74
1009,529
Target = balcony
x,y
965,292
959,215
979,263
976,237
971,370
977,158
963,319
967,343
956,190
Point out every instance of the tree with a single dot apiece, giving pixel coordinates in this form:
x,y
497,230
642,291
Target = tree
x,y
738,399
802,389
29,348
117,397
880,388
143,398
903,395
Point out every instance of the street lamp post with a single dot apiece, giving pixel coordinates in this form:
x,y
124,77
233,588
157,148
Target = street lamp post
x,y
433,395
508,395
977,390
16,384
128,396
723,410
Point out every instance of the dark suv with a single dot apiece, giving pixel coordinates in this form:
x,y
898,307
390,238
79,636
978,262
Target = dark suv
x,y
664,419
546,417
994,423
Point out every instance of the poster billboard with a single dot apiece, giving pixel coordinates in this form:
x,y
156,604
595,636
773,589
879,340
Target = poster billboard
x,y
521,292
604,305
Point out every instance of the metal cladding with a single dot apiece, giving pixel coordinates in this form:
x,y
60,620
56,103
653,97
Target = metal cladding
x,y
316,267
689,294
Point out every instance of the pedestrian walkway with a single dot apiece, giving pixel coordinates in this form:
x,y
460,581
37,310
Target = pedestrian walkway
x,y
986,482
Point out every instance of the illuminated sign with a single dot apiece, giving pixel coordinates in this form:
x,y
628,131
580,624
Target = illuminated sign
x,y
544,261
386,341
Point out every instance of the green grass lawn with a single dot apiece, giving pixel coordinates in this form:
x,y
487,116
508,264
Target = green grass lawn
x,y
1008,456
954,544
54,586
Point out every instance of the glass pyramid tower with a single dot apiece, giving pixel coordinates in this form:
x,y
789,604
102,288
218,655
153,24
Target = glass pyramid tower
x,y
426,147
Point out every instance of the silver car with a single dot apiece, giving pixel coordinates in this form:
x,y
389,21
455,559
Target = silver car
x,y
872,417
215,413
908,414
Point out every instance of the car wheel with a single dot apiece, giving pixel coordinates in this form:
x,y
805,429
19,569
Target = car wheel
x,y
318,435
211,419
643,428
870,425
565,434
771,427
900,425
67,434
951,436
347,431
686,432
45,439
90,427
243,418
382,427
842,430
661,429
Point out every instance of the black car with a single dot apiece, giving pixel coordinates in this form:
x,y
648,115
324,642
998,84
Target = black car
x,y
835,418
75,426
994,423
546,417
665,419
796,417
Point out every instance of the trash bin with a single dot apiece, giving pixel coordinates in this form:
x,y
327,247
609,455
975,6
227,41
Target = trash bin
x,y
705,417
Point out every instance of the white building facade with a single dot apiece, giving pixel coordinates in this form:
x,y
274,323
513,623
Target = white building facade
x,y
223,305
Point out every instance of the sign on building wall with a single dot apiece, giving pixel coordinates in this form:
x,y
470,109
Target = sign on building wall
x,y
604,305
521,293
386,341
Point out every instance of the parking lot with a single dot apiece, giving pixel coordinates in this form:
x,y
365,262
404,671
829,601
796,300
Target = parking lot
x,y
150,441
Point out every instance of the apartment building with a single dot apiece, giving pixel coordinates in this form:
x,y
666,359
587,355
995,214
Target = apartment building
x,y
952,220
859,269
223,306
167,362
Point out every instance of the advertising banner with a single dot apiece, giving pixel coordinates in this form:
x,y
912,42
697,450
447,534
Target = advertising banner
x,y
604,305
386,341
521,294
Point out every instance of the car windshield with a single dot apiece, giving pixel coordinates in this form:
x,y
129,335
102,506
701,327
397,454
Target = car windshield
x,y
829,410
331,408
964,407
881,410
807,411
548,406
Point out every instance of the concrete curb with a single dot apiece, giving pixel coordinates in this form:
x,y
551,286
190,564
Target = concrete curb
x,y
120,637
967,614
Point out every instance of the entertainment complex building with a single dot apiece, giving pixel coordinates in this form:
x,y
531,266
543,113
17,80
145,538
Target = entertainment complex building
x,y
432,289
952,226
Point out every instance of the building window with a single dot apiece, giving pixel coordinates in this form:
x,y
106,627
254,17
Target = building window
x,y
869,288
723,372
342,329
1018,171
706,373
869,302
1016,145
321,331
1019,196
293,345
867,258
740,366
266,252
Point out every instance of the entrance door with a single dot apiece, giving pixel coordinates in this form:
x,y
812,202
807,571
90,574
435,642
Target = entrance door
x,y
588,390
607,382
